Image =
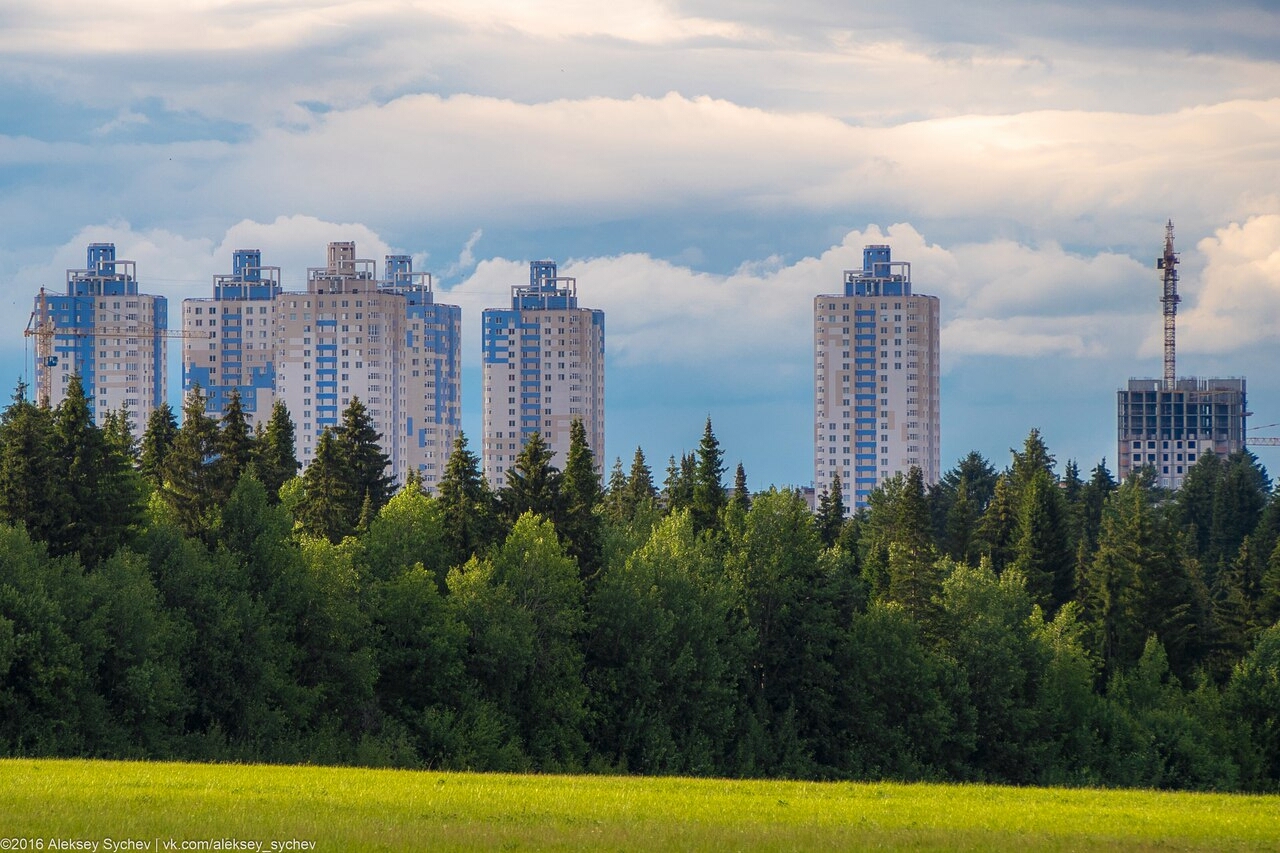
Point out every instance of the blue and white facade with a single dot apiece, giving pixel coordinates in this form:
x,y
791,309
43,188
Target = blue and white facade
x,y
106,332
350,334
876,379
231,343
543,368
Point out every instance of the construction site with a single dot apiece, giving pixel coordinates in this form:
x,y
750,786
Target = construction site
x,y
1166,424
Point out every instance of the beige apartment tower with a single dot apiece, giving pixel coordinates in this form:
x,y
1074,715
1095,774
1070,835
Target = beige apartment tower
x,y
876,389
543,369
349,335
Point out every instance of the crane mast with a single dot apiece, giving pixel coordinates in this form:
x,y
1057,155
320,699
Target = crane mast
x,y
1169,299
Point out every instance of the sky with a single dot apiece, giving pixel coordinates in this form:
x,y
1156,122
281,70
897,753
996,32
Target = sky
x,y
703,169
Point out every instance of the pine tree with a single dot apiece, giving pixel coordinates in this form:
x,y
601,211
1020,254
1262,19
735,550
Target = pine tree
x,y
741,497
915,581
708,485
275,459
960,527
363,459
466,504
157,440
579,526
1034,458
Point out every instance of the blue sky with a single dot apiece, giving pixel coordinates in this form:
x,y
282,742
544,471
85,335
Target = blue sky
x,y
703,169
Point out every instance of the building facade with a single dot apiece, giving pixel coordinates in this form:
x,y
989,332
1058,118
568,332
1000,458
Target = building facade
x,y
876,379
543,364
239,352
105,331
1167,429
350,334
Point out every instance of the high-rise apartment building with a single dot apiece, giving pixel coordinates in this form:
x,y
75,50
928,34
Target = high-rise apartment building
x,y
876,389
239,352
349,335
543,368
1167,428
106,332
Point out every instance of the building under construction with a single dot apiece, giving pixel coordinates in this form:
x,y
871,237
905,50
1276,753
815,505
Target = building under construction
x,y
1167,424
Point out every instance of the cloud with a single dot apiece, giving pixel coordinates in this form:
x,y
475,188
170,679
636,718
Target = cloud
x,y
1236,302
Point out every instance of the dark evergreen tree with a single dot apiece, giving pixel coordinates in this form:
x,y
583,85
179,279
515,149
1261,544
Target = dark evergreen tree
x,y
741,497
1043,553
275,459
466,504
533,483
579,525
1034,458
960,527
640,488
100,505
914,579
708,485
363,459
1093,497
157,440
235,446
191,477
1194,501
997,529
31,488
615,501
1238,501
831,512
328,508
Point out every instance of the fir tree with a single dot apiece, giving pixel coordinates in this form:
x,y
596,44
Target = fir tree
x,y
997,529
615,502
1043,554
741,497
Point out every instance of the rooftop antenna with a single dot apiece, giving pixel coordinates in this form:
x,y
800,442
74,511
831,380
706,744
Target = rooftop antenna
x,y
1170,299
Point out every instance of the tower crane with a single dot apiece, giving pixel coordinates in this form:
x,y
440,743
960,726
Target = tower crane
x,y
41,327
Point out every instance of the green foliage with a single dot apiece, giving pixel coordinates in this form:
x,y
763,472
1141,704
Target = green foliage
x,y
275,460
158,437
533,483
466,505
708,482
580,526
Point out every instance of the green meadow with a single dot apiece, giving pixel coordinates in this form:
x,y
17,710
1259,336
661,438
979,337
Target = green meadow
x,y
120,805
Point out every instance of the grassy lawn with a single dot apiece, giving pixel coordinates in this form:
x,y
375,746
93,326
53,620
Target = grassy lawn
x,y
348,809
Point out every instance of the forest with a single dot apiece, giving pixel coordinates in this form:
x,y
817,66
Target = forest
x,y
189,593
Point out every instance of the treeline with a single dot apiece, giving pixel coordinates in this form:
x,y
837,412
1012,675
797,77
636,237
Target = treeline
x,y
190,595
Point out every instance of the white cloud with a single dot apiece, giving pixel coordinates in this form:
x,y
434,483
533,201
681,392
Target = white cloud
x,y
1237,300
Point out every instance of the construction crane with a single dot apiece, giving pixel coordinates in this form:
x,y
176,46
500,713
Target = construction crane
x,y
1169,263
41,327
1261,441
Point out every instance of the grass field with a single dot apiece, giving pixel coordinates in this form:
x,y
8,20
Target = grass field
x,y
164,805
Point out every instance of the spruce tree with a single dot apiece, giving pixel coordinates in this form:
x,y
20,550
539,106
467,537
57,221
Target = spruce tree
x,y
579,526
157,440
235,446
466,504
191,480
741,497
997,529
330,503
1043,553
640,488
615,502
275,459
363,459
31,489
831,512
533,483
708,485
